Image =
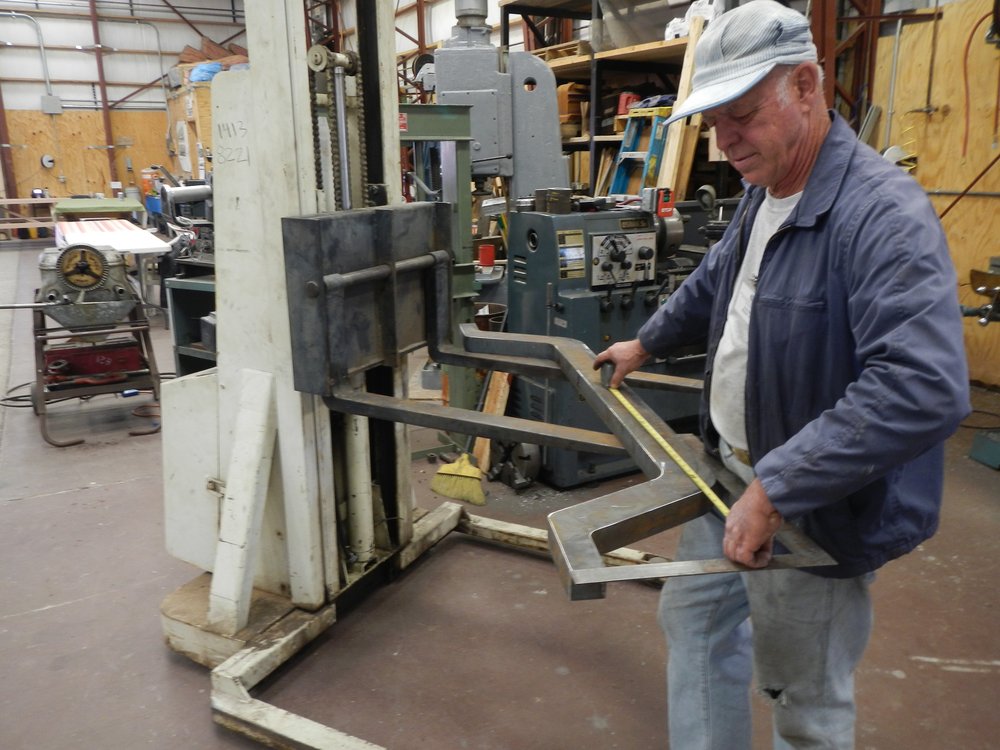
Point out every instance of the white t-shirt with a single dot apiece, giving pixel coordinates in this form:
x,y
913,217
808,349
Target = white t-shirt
x,y
727,406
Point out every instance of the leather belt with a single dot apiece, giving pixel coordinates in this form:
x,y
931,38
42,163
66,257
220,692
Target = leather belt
x,y
742,456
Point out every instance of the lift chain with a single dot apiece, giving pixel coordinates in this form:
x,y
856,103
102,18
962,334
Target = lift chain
x,y
314,120
331,115
362,138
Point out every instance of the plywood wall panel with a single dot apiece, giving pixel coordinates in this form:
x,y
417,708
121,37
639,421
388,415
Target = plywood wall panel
x,y
947,158
143,136
71,138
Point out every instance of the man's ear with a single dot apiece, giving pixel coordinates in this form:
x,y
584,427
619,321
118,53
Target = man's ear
x,y
805,81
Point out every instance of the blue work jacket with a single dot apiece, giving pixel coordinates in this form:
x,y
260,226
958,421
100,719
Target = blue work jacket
x,y
856,370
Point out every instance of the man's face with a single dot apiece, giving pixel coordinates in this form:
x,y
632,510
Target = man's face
x,y
759,132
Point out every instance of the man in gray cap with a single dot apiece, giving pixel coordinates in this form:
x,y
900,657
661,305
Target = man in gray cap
x,y
835,372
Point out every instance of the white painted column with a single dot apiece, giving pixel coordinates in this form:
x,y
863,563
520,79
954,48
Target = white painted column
x,y
360,514
265,170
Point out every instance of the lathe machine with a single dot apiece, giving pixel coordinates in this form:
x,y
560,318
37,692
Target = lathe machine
x,y
595,276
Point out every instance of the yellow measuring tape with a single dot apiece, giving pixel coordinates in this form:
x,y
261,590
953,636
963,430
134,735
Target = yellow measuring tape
x,y
684,466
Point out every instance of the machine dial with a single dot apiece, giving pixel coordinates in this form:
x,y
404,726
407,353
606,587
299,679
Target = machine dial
x,y
82,267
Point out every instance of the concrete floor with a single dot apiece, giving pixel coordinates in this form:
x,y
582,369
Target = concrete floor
x,y
472,647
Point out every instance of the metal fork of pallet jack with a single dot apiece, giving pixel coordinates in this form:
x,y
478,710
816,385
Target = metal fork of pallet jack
x,y
337,298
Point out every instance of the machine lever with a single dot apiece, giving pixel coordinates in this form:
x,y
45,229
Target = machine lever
x,y
498,157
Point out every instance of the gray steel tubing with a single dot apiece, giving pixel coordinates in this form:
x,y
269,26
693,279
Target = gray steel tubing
x,y
159,57
967,194
892,85
42,305
575,363
340,93
467,421
41,45
337,281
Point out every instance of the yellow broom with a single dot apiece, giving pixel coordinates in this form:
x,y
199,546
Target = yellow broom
x,y
460,480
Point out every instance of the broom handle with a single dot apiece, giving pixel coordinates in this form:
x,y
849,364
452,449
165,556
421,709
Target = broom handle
x,y
479,406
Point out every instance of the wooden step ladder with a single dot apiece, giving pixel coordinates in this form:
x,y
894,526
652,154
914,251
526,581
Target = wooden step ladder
x,y
638,162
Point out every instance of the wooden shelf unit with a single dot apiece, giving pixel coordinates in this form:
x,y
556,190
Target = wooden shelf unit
x,y
592,67
577,67
585,140
665,51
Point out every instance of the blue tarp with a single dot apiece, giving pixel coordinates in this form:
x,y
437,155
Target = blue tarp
x,y
205,71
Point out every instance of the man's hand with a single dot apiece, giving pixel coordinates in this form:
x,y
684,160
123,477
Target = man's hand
x,y
750,528
626,356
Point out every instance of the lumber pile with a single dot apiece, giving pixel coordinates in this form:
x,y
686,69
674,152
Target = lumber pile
x,y
210,52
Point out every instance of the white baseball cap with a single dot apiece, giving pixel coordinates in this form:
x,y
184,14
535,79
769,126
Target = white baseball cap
x,y
739,48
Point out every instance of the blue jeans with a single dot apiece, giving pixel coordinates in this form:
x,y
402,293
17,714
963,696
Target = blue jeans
x,y
808,634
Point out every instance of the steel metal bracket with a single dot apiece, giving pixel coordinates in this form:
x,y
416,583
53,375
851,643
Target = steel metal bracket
x,y
580,535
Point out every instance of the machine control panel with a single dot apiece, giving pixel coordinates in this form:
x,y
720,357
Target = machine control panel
x,y
622,259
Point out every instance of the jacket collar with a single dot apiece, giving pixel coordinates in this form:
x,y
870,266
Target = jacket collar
x,y
828,172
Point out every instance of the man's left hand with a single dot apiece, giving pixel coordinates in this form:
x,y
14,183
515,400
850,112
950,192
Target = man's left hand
x,y
750,528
